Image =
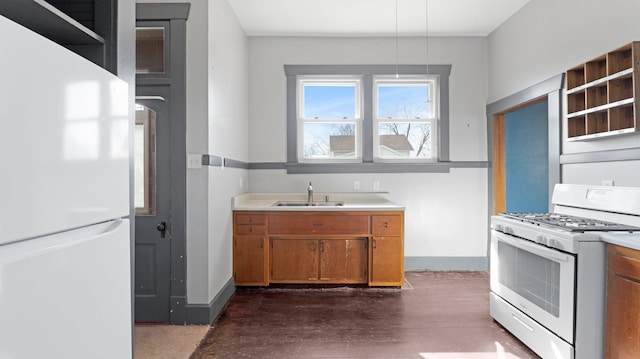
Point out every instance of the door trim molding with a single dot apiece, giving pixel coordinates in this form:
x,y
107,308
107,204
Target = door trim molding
x,y
551,90
159,11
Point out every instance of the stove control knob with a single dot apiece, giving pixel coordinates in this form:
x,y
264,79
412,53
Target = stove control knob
x,y
499,228
541,239
554,243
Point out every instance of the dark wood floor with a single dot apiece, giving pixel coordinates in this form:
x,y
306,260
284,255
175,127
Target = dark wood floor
x,y
437,315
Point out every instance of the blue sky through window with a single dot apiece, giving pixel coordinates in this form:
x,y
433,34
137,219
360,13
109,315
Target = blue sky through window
x,y
403,102
329,101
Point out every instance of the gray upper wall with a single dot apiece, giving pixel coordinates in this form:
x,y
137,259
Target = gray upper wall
x,y
547,37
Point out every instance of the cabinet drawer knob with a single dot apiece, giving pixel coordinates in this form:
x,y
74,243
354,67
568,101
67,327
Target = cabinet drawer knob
x,y
385,224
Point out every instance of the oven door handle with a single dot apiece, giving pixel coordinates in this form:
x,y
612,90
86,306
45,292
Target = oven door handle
x,y
537,249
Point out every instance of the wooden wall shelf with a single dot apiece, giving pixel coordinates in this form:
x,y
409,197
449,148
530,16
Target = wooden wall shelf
x,y
602,95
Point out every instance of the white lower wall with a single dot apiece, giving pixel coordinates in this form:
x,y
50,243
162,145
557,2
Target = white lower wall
x,y
223,185
445,213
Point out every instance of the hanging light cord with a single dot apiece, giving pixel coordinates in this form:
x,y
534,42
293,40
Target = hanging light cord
x,y
426,7
397,74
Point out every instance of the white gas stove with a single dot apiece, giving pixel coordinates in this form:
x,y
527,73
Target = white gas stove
x,y
548,270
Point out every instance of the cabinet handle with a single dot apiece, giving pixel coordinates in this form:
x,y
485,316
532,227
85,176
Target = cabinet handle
x,y
250,219
313,246
317,224
373,243
321,246
251,229
385,224
261,244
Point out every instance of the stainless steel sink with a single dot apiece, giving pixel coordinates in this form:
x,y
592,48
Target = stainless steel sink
x,y
308,204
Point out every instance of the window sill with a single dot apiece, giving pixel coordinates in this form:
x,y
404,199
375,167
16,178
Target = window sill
x,y
370,167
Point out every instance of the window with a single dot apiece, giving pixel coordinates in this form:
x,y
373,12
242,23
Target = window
x,y
329,119
150,50
367,116
404,119
145,161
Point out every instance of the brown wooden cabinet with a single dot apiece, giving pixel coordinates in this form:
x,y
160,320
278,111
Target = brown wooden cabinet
x,y
326,260
306,247
294,260
601,93
623,303
387,250
343,260
250,249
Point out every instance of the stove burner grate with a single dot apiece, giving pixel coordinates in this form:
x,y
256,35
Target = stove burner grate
x,y
568,222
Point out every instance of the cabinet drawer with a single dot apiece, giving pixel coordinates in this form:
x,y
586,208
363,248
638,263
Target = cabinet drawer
x,y
387,225
318,224
250,218
250,229
624,262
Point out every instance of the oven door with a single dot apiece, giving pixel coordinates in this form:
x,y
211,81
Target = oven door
x,y
537,280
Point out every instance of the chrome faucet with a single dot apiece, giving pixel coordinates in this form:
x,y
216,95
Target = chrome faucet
x,y
310,193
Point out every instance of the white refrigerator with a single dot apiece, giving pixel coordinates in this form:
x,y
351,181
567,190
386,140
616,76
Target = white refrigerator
x,y
65,264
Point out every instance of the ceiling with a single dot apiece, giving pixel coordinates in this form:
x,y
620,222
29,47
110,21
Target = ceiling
x,y
373,17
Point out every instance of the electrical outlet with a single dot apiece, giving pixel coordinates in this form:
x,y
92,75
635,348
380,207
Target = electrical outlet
x,y
356,185
241,182
194,161
376,185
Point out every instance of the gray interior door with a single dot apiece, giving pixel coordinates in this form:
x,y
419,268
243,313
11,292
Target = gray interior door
x,y
153,205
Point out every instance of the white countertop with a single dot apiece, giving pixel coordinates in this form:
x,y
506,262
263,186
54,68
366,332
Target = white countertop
x,y
625,239
353,201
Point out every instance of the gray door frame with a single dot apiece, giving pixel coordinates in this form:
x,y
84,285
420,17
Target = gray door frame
x,y
552,90
176,15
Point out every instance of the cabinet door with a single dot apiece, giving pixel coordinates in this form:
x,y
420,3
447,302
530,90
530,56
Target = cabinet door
x,y
249,260
623,303
294,260
387,261
343,260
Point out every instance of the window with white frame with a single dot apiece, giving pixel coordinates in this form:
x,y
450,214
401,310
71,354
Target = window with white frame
x,y
405,118
329,119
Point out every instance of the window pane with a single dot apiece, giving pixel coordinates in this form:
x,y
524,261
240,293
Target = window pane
x,y
330,140
404,139
406,101
329,101
145,160
149,50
